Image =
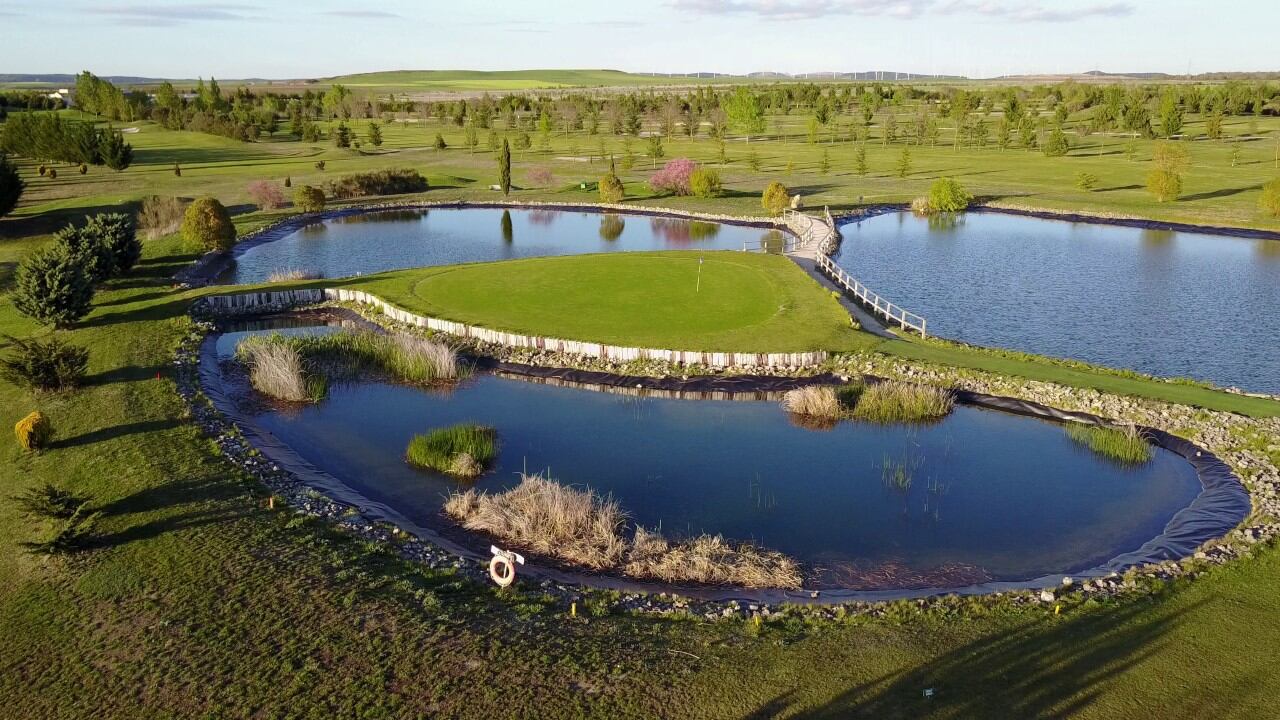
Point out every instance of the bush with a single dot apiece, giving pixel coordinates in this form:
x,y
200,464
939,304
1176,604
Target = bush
x,y
395,181
611,189
48,365
440,144
947,195
674,177
84,169
92,256
540,177
51,173
1165,185
47,502
1269,202
320,165
51,287
160,216
116,235
266,194
775,198
1057,145
308,199
461,450
73,534
11,186
705,183
33,431
207,224
1086,181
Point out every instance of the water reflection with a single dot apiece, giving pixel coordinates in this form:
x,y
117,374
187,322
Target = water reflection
x,y
508,234
611,226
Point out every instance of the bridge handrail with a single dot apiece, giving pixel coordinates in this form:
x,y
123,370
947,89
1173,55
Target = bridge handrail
x,y
877,304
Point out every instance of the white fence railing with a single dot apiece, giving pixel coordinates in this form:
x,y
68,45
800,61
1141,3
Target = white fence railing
x,y
869,299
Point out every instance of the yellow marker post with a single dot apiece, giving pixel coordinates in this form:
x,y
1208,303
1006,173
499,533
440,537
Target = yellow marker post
x,y
1057,609
573,609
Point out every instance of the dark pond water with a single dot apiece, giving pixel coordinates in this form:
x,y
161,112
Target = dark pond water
x,y
992,495
1166,303
374,242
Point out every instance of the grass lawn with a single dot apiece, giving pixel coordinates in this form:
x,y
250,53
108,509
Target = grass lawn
x,y
744,302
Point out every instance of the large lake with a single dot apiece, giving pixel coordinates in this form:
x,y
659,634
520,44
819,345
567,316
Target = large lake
x,y
1167,303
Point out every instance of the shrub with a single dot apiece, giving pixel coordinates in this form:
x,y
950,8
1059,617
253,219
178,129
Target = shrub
x,y
539,177
1125,446
308,199
33,431
775,198
674,177
207,224
92,256
892,401
461,450
320,165
288,181
177,170
266,194
611,189
439,144
1057,145
11,186
48,365
705,183
1165,185
84,169
51,287
395,181
51,173
1269,202
116,235
73,534
160,216
1086,181
47,502
947,195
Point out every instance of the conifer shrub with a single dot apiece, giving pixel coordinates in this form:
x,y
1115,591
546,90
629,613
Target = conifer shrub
x,y
44,365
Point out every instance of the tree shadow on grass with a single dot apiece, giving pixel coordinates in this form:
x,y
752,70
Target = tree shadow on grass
x,y
1224,192
127,373
1044,669
52,220
1119,187
190,503
6,275
113,432
157,311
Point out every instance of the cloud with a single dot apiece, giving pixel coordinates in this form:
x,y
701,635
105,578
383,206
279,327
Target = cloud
x,y
371,14
1010,10
167,15
620,24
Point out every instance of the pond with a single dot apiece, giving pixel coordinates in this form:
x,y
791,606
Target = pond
x,y
1166,303
991,496
364,243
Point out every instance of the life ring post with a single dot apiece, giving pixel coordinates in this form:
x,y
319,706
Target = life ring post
x,y
502,567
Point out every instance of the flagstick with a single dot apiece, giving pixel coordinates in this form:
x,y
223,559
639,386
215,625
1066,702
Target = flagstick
x,y
699,289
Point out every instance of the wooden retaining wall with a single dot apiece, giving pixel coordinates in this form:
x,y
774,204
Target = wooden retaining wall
x,y
246,303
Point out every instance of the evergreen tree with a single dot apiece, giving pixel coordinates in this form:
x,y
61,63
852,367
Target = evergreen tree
x,y
50,286
1057,145
375,134
504,168
860,160
904,162
115,232
11,186
115,152
92,256
342,136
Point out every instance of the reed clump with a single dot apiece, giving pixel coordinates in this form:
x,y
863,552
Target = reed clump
x,y
1124,445
813,401
293,275
464,450
892,401
585,528
278,369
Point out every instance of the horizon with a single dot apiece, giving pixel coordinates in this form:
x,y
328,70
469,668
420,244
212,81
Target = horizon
x,y
976,40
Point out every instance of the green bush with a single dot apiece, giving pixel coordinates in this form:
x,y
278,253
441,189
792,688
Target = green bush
x,y
11,186
117,236
611,189
308,199
947,195
73,534
33,431
394,181
47,365
47,502
1086,181
51,287
775,198
464,450
207,225
705,183
1269,202
1057,145
1165,185
92,256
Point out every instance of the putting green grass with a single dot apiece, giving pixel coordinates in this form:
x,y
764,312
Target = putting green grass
x,y
680,300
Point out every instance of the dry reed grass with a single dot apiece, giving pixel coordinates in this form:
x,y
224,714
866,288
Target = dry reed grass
x,y
278,370
709,559
813,400
293,275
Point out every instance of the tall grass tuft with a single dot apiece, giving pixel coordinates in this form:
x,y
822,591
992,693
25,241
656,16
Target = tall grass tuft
x,y
1124,445
587,529
813,401
462,450
892,401
277,368
548,518
293,275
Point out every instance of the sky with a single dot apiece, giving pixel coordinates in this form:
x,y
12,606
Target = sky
x,y
320,38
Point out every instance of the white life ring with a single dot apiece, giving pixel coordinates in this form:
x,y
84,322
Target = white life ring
x,y
502,571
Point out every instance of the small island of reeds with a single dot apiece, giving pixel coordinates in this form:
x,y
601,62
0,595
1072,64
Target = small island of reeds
x,y
464,450
887,401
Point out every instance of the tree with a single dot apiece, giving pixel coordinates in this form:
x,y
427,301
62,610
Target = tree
x,y
705,183
1270,200
825,166
266,194
117,235
947,195
504,167
1086,181
114,151
860,160
1170,115
375,134
904,162
775,198
674,177
93,257
342,136
207,224
745,112
51,287
654,149
611,189
11,186
308,199
1057,145
439,144
471,137
1165,179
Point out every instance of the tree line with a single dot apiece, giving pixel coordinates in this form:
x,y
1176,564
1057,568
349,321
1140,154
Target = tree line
x,y
49,136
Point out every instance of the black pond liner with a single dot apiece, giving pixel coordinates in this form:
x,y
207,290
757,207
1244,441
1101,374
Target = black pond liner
x,y
212,266
1220,506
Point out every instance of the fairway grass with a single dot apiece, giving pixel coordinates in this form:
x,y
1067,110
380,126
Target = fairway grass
x,y
677,300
